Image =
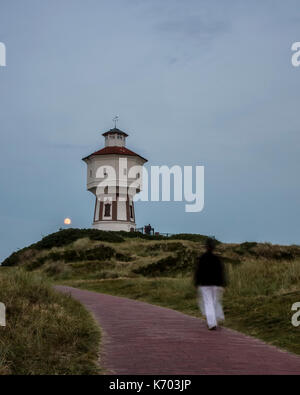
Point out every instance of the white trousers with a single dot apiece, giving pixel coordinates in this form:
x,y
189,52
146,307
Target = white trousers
x,y
210,304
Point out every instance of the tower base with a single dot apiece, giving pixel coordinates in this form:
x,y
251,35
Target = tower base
x,y
114,225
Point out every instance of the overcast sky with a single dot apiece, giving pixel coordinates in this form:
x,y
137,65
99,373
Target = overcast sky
x,y
195,83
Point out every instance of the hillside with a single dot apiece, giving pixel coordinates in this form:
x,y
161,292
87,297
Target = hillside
x,y
263,278
97,254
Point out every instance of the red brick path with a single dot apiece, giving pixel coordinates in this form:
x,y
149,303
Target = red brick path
x,y
140,338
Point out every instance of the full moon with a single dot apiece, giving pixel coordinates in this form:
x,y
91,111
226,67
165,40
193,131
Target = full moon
x,y
67,221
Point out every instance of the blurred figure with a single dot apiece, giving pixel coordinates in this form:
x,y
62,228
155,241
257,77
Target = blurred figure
x,y
210,280
148,229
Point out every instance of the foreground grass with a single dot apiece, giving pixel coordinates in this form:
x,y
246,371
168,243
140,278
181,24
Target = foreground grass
x,y
47,332
257,302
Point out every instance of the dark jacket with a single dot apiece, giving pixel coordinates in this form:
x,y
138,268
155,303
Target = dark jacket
x,y
210,271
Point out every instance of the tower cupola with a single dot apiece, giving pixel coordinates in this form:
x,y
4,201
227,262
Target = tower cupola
x,y
115,138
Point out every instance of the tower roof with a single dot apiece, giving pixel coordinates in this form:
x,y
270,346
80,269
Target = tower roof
x,y
115,150
115,131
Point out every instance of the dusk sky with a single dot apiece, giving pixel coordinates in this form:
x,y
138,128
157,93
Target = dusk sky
x,y
194,82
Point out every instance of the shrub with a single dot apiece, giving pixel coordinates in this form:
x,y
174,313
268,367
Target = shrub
x,y
248,245
162,266
182,262
60,239
245,248
36,264
99,253
14,258
192,237
276,252
168,247
139,235
67,236
94,254
55,269
123,257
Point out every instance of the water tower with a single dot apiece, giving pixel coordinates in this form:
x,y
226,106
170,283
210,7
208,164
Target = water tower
x,y
114,176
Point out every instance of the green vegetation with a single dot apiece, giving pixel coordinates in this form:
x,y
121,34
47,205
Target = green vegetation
x,y
66,237
62,238
263,278
46,332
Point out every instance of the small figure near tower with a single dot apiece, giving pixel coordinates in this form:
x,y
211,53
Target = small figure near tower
x,y
114,176
148,229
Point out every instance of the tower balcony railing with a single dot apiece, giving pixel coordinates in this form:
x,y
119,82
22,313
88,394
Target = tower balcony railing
x,y
153,233
129,182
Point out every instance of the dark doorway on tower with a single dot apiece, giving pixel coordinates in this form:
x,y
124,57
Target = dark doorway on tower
x,y
131,211
107,210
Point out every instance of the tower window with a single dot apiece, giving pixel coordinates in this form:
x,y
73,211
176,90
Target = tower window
x,y
107,210
131,211
106,190
138,175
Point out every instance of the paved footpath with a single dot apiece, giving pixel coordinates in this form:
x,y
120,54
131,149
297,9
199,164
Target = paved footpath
x,y
140,338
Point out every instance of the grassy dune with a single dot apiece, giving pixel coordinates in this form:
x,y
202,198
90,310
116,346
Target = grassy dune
x,y
46,332
264,279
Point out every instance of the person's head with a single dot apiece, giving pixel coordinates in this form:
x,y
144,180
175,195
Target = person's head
x,y
210,244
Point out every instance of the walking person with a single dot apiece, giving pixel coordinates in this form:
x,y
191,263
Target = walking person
x,y
210,280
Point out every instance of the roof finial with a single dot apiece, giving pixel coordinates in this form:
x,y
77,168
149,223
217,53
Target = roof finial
x,y
116,119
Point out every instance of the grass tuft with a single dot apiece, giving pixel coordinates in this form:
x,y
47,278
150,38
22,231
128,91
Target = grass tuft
x,y
47,332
